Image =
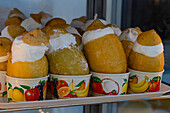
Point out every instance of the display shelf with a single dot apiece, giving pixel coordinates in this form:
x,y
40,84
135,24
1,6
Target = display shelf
x,y
5,106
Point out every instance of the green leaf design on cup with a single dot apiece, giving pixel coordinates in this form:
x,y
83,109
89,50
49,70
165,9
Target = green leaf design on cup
x,y
4,93
25,87
40,82
20,89
9,88
71,92
96,79
9,99
9,84
79,84
123,93
43,82
156,79
125,81
54,79
133,76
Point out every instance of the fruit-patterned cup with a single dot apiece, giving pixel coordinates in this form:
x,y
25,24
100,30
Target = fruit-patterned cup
x,y
68,86
109,84
2,83
140,82
20,89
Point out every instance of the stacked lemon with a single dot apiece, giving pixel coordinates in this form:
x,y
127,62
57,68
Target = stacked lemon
x,y
27,66
106,57
66,61
103,49
146,63
32,66
78,23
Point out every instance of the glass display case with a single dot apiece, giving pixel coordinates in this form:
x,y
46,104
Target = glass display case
x,y
146,14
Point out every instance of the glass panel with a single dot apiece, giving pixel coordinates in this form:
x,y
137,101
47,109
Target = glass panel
x,y
67,9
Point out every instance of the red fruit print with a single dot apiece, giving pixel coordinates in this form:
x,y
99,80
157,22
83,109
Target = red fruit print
x,y
154,86
113,92
97,87
32,94
71,95
61,83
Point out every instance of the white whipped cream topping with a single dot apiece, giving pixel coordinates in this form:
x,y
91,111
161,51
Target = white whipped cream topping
x,y
92,35
30,24
86,25
22,52
84,62
4,58
150,51
5,33
116,30
18,15
76,23
73,30
130,35
61,42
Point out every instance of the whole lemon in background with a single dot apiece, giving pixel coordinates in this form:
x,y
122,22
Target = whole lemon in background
x,y
141,62
128,37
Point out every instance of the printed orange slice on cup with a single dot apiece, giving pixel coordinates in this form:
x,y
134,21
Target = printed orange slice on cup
x,y
63,91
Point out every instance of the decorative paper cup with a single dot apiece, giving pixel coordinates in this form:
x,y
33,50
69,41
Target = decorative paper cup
x,y
2,82
68,86
20,89
109,84
140,82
